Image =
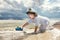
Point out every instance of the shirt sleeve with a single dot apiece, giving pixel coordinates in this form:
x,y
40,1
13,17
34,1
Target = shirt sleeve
x,y
37,22
29,21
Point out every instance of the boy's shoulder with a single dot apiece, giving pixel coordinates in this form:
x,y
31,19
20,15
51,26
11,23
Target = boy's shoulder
x,y
42,17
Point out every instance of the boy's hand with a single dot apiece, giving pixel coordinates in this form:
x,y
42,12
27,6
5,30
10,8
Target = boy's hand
x,y
34,33
21,27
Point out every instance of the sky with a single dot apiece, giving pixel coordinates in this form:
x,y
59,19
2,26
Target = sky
x,y
17,8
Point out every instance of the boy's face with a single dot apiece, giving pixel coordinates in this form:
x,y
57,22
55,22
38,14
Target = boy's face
x,y
31,16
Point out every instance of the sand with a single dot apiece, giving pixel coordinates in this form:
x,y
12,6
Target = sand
x,y
9,33
57,25
17,35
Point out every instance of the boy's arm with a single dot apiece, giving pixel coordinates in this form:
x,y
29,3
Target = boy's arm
x,y
25,24
36,27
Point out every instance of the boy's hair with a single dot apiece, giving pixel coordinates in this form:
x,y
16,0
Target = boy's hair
x,y
29,12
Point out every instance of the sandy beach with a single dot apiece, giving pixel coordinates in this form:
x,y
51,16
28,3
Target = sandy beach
x,y
7,31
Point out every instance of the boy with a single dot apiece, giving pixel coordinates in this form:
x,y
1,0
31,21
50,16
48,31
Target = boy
x,y
42,22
